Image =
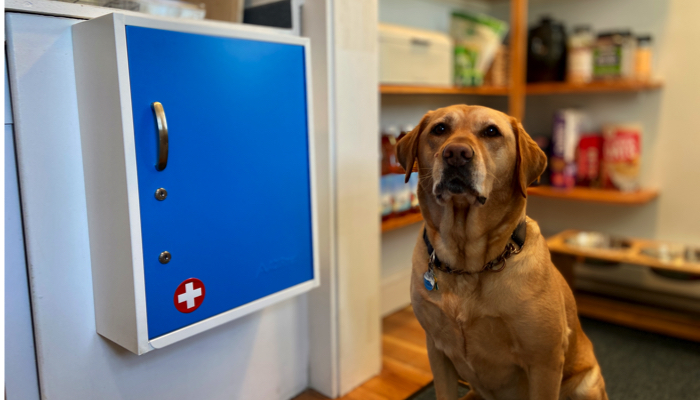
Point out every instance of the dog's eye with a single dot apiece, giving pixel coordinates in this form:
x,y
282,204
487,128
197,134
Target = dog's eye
x,y
491,131
439,129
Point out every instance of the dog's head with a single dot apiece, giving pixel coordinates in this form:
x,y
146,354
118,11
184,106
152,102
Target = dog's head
x,y
471,152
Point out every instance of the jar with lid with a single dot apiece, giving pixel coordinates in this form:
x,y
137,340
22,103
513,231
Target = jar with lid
x,y
580,59
613,56
390,164
546,52
642,62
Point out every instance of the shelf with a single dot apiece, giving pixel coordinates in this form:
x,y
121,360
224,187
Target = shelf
x,y
577,193
629,255
531,89
476,90
685,325
593,87
399,222
638,316
595,195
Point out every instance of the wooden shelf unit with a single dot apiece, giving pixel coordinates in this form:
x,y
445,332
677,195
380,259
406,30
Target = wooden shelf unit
x,y
607,196
684,325
639,316
593,87
577,193
545,88
625,313
417,89
399,222
631,255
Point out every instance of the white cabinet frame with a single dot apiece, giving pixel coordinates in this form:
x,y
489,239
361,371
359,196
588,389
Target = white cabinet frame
x,y
109,158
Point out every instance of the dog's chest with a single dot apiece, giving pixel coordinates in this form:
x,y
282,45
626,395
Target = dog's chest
x,y
479,343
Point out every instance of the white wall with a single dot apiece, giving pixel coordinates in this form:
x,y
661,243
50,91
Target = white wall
x,y
354,81
21,381
397,249
264,355
323,323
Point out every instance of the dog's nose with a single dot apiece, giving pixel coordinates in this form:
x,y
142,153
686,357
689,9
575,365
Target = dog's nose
x,y
457,155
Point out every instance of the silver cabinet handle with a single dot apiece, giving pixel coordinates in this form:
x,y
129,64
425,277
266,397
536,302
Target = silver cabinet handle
x,y
162,135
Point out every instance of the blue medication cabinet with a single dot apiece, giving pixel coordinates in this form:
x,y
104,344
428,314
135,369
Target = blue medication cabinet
x,y
199,176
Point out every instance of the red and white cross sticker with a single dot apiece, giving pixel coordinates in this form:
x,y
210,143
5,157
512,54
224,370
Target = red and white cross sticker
x,y
189,295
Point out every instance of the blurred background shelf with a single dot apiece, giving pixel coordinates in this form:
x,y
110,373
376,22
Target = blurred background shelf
x,y
633,251
593,87
635,100
639,316
577,193
401,221
639,197
533,88
417,89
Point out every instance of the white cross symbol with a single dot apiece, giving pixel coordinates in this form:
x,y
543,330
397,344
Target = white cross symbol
x,y
190,294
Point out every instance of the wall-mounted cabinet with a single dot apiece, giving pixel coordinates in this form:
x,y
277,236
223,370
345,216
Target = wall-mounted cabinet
x,y
180,155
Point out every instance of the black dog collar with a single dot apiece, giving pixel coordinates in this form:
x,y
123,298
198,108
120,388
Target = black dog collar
x,y
518,237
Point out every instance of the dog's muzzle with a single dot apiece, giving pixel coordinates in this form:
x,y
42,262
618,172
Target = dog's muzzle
x,y
456,181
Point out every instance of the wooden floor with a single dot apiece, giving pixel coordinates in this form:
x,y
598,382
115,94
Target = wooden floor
x,y
405,358
405,367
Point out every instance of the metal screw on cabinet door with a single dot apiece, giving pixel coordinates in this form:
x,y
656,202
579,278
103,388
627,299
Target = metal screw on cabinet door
x,y
164,257
161,194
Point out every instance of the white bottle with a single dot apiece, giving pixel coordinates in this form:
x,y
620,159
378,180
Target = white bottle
x,y
580,58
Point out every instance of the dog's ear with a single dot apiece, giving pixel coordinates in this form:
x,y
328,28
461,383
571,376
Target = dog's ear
x,y
407,147
530,160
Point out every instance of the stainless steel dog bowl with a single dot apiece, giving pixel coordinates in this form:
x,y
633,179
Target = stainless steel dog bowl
x,y
673,253
666,252
596,240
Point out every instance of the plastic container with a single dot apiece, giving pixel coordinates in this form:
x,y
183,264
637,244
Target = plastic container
x,y
413,187
546,52
580,53
614,55
414,56
402,194
497,74
642,60
568,125
588,159
476,41
386,196
390,164
622,156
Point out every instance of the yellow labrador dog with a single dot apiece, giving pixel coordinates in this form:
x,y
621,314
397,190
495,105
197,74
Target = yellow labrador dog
x,y
496,311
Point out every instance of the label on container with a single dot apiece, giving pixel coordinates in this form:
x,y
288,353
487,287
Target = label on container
x,y
607,61
580,65
588,160
402,194
621,156
386,206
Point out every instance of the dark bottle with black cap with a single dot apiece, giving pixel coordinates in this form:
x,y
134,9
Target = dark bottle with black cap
x,y
546,52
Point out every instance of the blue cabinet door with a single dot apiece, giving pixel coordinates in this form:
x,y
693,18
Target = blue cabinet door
x,y
237,216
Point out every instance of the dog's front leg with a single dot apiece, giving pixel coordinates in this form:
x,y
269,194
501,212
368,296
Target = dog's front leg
x,y
545,380
444,373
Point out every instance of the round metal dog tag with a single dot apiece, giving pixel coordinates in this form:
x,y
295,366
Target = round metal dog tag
x,y
429,280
